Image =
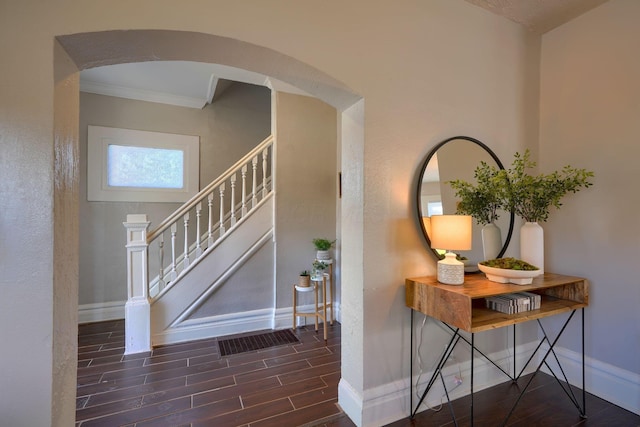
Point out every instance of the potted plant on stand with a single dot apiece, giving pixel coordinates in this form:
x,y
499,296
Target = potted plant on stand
x,y
319,268
482,202
304,280
531,198
322,248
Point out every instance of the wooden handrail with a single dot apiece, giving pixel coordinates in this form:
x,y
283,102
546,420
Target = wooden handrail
x,y
202,194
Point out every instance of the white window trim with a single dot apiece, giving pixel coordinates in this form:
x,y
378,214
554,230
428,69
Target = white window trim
x,y
98,140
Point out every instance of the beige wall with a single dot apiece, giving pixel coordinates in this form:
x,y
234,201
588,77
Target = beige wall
x,y
590,117
229,128
306,190
425,70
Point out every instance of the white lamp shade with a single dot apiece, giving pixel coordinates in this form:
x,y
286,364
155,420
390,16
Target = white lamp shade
x,y
451,232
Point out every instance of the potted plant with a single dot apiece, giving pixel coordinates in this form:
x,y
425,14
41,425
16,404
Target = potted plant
x,y
319,268
304,280
531,197
322,248
482,201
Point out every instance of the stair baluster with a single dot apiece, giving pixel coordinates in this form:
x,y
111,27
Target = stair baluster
x,y
221,226
243,171
210,229
185,256
265,152
254,197
161,260
198,244
233,199
173,274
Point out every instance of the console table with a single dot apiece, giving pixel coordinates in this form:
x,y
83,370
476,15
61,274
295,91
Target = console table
x,y
462,307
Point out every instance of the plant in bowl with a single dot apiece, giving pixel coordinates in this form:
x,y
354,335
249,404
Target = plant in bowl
x,y
509,264
509,270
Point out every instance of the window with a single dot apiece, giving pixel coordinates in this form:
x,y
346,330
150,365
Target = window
x,y
434,208
138,166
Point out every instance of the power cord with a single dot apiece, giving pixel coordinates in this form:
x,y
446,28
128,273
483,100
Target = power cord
x,y
458,379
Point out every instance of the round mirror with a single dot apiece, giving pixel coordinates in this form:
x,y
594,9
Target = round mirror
x,y
457,158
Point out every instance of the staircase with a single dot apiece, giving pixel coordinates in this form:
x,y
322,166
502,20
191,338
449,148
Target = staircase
x,y
194,251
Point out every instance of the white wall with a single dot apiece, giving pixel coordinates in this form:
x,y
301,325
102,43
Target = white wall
x,y
590,118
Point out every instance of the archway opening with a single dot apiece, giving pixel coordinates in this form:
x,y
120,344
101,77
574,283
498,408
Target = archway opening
x,y
88,50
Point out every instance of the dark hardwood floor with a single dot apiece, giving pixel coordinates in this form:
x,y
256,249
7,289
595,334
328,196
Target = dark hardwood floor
x,y
544,404
191,384
296,384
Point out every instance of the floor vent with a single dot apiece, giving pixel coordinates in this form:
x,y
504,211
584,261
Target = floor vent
x,y
256,342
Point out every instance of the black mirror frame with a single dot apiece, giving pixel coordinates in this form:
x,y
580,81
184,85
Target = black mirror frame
x,y
419,187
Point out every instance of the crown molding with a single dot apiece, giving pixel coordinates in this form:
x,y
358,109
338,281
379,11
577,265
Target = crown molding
x,y
142,95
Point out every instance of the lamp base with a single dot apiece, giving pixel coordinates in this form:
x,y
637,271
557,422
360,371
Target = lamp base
x,y
450,270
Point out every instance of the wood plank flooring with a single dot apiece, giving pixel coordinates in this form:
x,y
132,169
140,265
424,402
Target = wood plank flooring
x,y
191,384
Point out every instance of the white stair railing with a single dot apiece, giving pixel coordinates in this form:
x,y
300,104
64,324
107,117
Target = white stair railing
x,y
224,211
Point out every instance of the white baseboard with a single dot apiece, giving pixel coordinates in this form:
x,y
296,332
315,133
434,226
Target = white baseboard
x,y
99,312
206,327
229,324
608,382
350,401
390,402
216,326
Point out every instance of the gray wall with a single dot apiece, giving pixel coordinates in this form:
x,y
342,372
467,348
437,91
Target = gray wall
x,y
590,118
235,123
306,132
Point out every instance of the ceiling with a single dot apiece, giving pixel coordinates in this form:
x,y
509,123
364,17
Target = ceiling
x,y
194,84
182,83
539,16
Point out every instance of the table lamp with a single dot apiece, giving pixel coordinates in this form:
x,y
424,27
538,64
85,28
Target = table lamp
x,y
451,232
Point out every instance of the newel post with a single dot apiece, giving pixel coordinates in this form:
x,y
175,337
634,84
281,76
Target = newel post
x,y
137,309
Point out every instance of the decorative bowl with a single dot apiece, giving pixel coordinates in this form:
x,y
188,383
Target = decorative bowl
x,y
504,275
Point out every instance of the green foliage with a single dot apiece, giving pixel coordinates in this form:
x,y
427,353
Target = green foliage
x,y
483,200
323,244
304,273
510,264
531,197
319,265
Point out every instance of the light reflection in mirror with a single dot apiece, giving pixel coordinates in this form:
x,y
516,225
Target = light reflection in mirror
x,y
456,158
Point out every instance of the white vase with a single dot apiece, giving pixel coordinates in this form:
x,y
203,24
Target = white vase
x,y
532,244
323,255
491,241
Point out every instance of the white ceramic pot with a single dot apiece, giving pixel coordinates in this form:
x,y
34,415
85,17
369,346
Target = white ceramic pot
x,y
491,241
532,244
323,255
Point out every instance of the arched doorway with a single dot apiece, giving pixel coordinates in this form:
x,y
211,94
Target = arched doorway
x,y
87,50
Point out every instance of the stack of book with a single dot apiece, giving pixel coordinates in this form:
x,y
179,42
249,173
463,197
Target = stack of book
x,y
516,302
